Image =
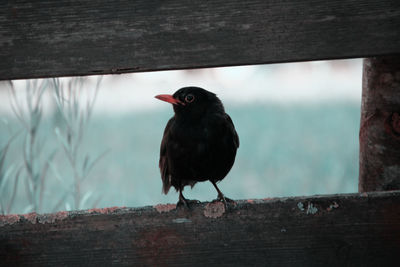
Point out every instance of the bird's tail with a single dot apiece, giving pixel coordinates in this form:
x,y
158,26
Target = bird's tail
x,y
166,184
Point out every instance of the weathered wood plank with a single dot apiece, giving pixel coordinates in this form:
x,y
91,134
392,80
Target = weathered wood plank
x,y
337,230
69,37
380,125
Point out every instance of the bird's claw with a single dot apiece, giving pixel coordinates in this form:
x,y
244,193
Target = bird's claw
x,y
186,203
225,200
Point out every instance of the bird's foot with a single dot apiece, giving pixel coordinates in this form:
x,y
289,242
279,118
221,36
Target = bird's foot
x,y
225,200
186,203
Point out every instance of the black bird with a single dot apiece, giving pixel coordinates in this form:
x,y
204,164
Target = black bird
x,y
199,142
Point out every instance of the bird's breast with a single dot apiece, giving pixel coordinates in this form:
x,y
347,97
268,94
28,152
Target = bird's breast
x,y
200,151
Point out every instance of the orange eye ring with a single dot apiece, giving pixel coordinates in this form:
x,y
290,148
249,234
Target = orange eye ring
x,y
189,98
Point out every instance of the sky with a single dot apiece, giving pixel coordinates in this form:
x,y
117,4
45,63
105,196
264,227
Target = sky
x,y
285,83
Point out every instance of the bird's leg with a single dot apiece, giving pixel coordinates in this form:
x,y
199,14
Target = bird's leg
x,y
182,200
221,196
185,202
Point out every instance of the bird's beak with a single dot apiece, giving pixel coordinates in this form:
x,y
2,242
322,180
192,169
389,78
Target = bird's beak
x,y
169,99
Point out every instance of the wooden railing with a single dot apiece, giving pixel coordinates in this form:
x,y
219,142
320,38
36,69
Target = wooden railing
x,y
64,38
336,230
61,38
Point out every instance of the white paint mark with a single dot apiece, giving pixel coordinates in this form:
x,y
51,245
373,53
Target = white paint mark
x,y
181,220
334,205
311,209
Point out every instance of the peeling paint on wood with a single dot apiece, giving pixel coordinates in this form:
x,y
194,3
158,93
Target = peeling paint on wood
x,y
104,210
52,218
31,217
9,219
333,206
165,207
351,229
181,220
214,209
311,209
34,218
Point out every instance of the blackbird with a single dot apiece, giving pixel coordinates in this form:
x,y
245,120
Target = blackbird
x,y
199,142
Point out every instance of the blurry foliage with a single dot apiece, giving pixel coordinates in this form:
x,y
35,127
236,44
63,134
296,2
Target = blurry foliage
x,y
75,117
35,163
38,165
9,177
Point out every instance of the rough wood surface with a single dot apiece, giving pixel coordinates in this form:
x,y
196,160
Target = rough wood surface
x,y
48,38
380,125
337,230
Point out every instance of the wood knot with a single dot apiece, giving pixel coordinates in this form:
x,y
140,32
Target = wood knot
x,y
392,124
214,209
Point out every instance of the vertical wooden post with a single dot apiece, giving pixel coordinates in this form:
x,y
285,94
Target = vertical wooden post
x,y
380,125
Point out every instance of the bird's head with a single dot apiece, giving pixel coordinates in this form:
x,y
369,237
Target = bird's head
x,y
193,101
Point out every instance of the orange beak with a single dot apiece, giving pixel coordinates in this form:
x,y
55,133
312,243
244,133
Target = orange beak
x,y
169,99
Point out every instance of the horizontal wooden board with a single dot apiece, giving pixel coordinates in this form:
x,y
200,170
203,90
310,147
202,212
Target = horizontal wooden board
x,y
336,230
48,38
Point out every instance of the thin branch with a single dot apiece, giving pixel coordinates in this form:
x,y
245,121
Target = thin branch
x,y
43,176
16,107
14,193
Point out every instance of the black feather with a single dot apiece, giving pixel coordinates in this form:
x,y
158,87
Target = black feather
x,y
199,142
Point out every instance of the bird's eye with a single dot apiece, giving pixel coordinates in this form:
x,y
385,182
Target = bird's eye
x,y
189,98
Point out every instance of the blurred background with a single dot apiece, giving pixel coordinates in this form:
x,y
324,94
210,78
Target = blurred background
x,y
78,143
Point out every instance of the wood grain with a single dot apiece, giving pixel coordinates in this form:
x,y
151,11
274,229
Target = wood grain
x,y
47,38
337,230
380,125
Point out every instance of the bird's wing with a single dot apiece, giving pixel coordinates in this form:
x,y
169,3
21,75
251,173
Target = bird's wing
x,y
232,126
163,163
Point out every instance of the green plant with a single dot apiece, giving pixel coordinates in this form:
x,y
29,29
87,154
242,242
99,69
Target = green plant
x,y
9,176
35,165
74,119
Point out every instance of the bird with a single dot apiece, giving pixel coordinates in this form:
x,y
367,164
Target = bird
x,y
199,142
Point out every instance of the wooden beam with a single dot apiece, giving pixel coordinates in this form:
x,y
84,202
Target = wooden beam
x,y
47,38
336,230
380,125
